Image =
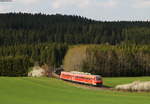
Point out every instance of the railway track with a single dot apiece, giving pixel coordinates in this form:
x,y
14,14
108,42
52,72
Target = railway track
x,y
85,86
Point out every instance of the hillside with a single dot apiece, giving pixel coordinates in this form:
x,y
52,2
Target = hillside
x,y
22,28
45,39
52,91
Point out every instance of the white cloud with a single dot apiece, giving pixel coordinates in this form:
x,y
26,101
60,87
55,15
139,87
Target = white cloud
x,y
26,1
20,6
141,4
83,3
95,9
63,3
4,8
110,3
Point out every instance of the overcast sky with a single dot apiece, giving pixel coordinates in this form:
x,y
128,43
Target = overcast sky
x,y
95,9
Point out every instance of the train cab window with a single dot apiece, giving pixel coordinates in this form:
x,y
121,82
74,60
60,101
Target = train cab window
x,y
98,78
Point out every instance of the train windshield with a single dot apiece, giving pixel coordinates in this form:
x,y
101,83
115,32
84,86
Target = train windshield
x,y
98,78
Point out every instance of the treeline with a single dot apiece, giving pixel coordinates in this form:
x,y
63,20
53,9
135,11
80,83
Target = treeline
x,y
14,66
110,61
16,60
19,28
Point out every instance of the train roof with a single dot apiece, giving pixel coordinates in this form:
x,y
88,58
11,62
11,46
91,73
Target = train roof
x,y
81,73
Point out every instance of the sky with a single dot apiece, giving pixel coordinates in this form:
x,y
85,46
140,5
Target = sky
x,y
104,10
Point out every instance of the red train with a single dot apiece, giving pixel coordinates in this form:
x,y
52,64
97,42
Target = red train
x,y
81,77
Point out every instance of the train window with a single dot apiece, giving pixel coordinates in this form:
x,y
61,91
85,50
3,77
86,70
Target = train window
x,y
66,75
83,78
79,77
87,78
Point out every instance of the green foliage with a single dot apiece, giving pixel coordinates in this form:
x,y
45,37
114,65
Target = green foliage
x,y
137,35
50,54
14,66
108,60
44,39
19,28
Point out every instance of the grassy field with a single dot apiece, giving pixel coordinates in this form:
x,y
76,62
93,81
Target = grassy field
x,y
53,91
112,82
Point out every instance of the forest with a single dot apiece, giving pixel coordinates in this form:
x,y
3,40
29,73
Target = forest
x,y
116,61
21,28
26,39
20,58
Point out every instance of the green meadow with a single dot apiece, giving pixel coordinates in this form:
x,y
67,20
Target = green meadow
x,y
16,90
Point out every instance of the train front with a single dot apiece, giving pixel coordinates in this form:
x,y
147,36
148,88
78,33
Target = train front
x,y
98,80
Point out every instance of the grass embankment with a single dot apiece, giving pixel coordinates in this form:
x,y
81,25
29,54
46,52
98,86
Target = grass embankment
x,y
52,91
